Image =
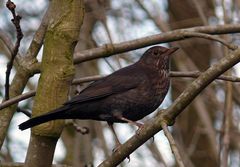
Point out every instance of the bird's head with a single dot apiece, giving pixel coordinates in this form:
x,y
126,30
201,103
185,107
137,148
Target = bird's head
x,y
157,57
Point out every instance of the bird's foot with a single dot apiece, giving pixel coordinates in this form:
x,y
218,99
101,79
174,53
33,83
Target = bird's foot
x,y
118,145
140,127
81,129
153,139
138,124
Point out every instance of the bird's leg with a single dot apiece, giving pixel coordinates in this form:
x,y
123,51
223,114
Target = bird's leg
x,y
138,124
81,129
118,144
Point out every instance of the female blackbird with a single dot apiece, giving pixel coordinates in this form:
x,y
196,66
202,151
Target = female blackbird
x,y
126,95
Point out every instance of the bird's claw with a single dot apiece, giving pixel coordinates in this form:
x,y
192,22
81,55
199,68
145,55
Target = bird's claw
x,y
83,130
140,127
116,148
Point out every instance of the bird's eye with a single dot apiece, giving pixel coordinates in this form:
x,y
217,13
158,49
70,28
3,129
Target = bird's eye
x,y
155,52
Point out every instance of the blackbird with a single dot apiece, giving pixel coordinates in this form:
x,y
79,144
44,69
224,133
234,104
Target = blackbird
x,y
125,96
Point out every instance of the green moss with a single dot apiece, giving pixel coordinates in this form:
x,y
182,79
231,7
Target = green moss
x,y
57,63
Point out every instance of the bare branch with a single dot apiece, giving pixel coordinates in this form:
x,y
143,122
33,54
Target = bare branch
x,y
7,41
200,12
25,112
14,164
173,74
38,38
172,144
16,21
226,125
86,79
187,34
157,20
17,99
227,117
195,74
27,67
170,36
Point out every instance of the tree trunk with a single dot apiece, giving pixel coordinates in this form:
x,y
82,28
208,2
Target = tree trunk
x,y
56,76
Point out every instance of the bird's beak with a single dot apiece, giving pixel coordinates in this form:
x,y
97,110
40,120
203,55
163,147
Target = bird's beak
x,y
171,50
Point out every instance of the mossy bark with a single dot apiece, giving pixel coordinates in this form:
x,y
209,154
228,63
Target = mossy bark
x,y
57,63
57,72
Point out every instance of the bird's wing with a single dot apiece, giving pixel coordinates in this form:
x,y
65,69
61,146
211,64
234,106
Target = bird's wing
x,y
120,81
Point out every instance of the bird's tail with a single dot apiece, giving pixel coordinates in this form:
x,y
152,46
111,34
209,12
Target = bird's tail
x,y
52,115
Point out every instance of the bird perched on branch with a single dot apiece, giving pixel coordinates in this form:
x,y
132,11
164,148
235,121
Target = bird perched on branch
x,y
125,96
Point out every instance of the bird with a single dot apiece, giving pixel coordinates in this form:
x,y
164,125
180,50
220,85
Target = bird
x,y
125,96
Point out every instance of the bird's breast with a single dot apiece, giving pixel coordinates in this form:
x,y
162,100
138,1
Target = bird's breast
x,y
160,85
160,82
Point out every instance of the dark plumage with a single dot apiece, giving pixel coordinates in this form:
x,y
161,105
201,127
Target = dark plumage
x,y
126,95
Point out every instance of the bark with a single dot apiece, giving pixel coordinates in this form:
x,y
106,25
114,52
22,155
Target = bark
x,y
57,72
18,84
81,152
27,66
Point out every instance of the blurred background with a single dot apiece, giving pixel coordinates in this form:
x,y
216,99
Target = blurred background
x,y
198,131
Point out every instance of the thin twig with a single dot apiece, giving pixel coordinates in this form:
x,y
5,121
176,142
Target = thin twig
x,y
109,50
228,107
16,21
27,113
86,79
6,39
226,125
195,74
27,69
157,20
16,164
188,34
200,12
38,38
17,99
110,39
152,146
172,144
173,74
175,35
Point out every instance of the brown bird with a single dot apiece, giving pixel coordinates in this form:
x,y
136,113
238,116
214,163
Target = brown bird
x,y
127,95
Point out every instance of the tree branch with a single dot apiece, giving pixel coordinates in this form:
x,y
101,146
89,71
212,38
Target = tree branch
x,y
195,74
170,36
14,164
26,68
172,144
27,113
187,34
38,38
17,99
7,42
16,21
